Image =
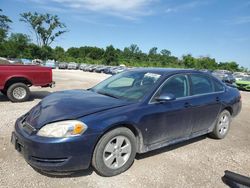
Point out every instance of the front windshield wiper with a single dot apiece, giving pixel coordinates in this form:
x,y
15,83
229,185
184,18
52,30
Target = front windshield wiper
x,y
108,94
90,89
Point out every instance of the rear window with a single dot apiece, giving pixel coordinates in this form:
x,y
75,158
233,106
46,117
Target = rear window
x,y
218,86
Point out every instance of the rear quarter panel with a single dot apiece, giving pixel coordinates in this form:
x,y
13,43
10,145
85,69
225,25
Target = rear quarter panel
x,y
232,98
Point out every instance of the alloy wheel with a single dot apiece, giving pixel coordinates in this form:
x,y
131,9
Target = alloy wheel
x,y
117,152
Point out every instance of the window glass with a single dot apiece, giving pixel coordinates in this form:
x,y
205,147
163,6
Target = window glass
x,y
122,82
128,85
218,86
177,85
201,84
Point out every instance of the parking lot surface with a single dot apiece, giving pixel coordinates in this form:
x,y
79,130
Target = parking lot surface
x,y
200,162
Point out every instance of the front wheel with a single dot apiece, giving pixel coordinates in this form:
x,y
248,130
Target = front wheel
x,y
222,125
115,152
18,92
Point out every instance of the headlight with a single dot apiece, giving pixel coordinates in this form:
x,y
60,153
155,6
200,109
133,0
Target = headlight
x,y
63,129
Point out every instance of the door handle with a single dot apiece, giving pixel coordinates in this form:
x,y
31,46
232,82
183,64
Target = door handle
x,y
187,105
217,99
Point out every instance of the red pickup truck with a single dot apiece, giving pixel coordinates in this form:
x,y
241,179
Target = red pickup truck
x,y
15,80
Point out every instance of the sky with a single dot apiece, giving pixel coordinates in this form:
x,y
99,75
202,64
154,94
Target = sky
x,y
219,29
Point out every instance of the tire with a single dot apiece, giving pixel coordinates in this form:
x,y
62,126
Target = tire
x,y
18,92
120,159
221,128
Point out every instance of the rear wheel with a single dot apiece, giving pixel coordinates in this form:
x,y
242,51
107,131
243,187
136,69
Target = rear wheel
x,y
222,126
115,152
18,92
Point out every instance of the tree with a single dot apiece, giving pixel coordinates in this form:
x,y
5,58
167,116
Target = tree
x,y
19,39
73,52
206,63
110,56
46,27
46,52
4,26
153,51
231,66
165,52
16,44
58,53
189,61
131,52
32,51
134,49
19,42
96,53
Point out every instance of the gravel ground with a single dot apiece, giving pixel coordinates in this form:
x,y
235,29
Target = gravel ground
x,y
197,163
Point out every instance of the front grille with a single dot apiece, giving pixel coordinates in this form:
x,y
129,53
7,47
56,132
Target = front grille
x,y
242,85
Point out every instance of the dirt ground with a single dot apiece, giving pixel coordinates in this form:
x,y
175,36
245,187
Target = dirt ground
x,y
200,162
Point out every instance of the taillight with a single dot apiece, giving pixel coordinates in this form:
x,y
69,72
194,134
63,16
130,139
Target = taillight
x,y
51,75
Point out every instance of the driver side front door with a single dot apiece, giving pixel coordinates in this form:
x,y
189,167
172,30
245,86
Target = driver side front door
x,y
170,120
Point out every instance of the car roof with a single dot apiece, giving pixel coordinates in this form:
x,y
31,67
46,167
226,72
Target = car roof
x,y
165,71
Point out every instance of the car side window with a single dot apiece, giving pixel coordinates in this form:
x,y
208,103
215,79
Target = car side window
x,y
176,85
218,86
201,84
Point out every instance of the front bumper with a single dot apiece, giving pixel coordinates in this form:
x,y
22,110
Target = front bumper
x,y
243,87
54,154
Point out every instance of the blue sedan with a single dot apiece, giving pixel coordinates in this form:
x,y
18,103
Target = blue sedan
x,y
132,112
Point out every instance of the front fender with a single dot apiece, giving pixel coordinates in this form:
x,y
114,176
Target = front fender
x,y
102,126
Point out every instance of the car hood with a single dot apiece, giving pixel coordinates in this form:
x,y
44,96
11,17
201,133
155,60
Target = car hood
x,y
71,104
243,82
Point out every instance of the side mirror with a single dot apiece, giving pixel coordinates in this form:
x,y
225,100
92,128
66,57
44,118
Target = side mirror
x,y
165,97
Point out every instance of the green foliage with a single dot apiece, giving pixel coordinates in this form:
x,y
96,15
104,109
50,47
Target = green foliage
x,y
189,61
110,56
153,51
46,52
4,26
46,27
15,45
19,46
231,66
165,52
58,53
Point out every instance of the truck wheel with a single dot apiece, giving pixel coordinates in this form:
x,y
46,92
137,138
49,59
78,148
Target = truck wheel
x,y
115,152
222,125
18,92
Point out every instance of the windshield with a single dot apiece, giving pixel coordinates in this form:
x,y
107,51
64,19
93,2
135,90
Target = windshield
x,y
130,85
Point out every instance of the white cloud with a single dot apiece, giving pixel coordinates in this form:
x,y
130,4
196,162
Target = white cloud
x,y
186,6
128,9
116,5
